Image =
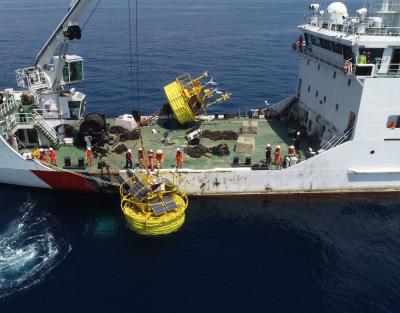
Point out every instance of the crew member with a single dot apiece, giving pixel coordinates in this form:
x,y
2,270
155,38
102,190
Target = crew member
x,y
362,58
268,151
159,158
292,151
151,160
42,156
278,156
179,158
141,157
297,141
128,157
52,157
36,153
89,156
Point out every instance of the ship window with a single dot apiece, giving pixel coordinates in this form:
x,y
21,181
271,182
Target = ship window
x,y
309,88
334,75
337,47
316,94
393,121
326,44
324,99
347,53
373,55
315,41
307,38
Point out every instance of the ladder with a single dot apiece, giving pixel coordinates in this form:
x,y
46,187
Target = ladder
x,y
46,130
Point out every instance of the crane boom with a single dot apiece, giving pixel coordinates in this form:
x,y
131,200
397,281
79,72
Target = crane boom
x,y
76,9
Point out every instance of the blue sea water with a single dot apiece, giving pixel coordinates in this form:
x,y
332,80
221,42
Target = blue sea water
x,y
73,253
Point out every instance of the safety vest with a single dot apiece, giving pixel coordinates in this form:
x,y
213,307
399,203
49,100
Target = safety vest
x,y
179,156
159,157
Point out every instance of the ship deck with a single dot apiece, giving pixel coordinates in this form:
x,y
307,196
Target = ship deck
x,y
273,132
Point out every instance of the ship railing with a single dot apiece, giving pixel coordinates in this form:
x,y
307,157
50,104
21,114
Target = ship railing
x,y
360,28
31,78
334,64
48,114
31,120
9,106
337,140
45,128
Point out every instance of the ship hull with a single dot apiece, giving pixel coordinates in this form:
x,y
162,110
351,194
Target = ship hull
x,y
349,167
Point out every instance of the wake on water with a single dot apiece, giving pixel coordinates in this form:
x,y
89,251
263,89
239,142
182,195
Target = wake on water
x,y
30,249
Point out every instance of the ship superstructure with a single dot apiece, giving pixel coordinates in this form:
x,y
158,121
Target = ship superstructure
x,y
339,131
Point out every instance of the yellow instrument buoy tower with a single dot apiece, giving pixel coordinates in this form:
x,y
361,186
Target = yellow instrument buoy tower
x,y
152,205
188,97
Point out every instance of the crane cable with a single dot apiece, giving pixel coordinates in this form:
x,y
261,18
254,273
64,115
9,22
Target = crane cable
x,y
91,14
137,72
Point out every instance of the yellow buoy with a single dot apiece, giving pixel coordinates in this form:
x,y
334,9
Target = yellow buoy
x,y
152,205
189,97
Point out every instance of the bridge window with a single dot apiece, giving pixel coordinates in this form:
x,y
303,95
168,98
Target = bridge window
x,y
393,121
315,41
337,47
326,44
373,55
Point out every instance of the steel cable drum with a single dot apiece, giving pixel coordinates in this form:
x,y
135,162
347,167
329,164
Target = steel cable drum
x,y
93,124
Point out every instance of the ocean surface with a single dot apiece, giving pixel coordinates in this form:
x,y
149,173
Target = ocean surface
x,y
73,253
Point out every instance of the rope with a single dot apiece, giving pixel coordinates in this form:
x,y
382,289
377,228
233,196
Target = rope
x,y
91,14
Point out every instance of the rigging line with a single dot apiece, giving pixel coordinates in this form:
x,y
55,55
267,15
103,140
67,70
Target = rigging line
x,y
137,75
137,54
91,14
130,48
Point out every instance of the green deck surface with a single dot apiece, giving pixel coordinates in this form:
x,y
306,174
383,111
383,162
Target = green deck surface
x,y
272,131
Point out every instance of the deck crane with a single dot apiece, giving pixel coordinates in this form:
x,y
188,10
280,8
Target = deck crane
x,y
54,69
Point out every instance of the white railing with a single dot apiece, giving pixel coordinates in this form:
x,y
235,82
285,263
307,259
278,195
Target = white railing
x,y
349,68
336,140
360,28
29,119
31,78
8,106
45,128
48,114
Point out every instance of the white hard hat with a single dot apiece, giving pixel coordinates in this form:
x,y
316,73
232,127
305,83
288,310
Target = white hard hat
x,y
268,145
298,133
129,150
140,149
50,149
278,146
89,149
291,147
159,151
41,149
150,150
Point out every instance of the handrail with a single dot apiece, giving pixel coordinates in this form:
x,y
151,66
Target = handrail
x,y
332,143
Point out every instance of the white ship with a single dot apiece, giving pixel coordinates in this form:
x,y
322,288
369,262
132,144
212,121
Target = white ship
x,y
345,108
